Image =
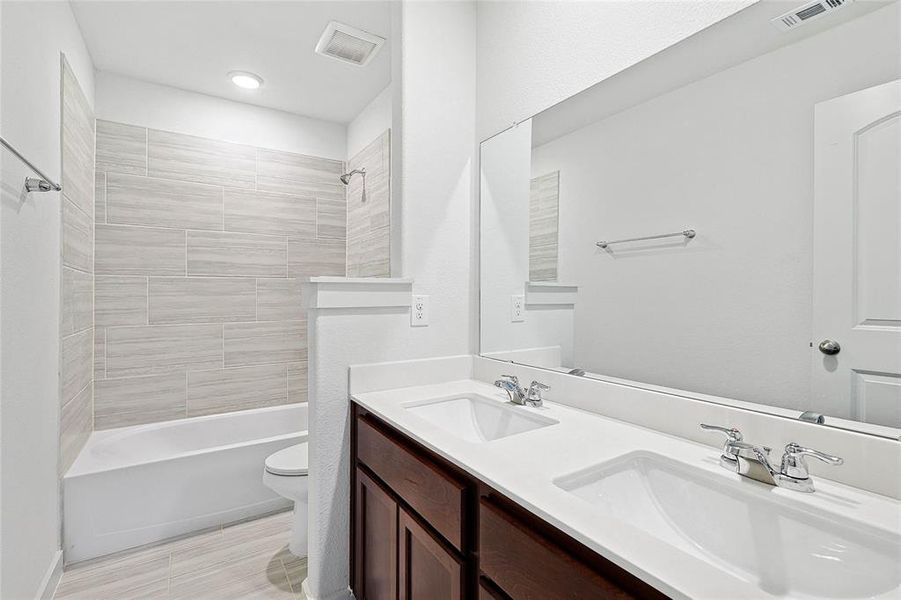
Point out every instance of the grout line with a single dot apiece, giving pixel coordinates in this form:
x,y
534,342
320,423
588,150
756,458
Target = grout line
x,y
287,577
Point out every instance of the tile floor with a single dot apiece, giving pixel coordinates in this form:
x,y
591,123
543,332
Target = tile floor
x,y
246,560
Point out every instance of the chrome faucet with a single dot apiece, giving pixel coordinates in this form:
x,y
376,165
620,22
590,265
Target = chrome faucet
x,y
754,462
519,395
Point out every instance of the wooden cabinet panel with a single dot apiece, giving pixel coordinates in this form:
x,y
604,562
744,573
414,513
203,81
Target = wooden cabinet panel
x,y
434,494
375,541
529,566
487,591
427,571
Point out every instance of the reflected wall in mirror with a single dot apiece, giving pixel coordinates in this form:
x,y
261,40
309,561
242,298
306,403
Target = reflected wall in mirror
x,y
782,151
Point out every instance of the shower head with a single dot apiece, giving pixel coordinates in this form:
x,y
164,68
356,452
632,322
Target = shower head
x,y
345,179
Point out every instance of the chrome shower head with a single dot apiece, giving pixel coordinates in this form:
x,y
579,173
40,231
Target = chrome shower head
x,y
345,179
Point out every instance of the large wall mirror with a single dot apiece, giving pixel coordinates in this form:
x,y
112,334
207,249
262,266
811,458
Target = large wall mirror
x,y
722,220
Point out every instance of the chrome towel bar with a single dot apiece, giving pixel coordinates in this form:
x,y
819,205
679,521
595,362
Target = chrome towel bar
x,y
687,233
33,184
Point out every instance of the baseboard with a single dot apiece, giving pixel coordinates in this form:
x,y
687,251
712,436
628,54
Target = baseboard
x,y
52,577
342,595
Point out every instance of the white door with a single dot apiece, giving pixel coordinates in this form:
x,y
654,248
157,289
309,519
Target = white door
x,y
857,256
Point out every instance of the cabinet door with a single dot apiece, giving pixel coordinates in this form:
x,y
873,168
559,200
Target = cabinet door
x,y
427,570
375,541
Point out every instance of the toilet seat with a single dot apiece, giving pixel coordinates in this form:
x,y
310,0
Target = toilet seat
x,y
292,462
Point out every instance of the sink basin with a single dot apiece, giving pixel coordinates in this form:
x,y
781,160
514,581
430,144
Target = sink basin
x,y
476,418
784,547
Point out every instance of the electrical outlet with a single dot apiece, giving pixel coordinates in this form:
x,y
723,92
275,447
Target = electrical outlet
x,y
419,311
517,308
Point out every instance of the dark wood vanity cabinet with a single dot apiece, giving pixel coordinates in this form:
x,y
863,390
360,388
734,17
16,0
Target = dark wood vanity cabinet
x,y
423,529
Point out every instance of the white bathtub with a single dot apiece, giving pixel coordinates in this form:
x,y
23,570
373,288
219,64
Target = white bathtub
x,y
136,485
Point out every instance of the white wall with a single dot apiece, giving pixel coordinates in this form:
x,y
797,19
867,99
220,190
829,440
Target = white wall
x,y
535,54
436,207
437,179
136,102
505,163
33,36
731,156
372,121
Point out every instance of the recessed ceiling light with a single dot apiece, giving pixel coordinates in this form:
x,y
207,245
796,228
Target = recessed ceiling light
x,y
245,80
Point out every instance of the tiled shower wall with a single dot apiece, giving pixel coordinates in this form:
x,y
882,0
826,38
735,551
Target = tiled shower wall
x,y
369,217
544,194
200,249
77,270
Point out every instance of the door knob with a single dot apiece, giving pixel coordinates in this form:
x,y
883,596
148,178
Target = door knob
x,y
830,347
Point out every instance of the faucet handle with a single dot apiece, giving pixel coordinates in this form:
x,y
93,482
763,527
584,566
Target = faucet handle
x,y
733,434
512,378
794,464
534,396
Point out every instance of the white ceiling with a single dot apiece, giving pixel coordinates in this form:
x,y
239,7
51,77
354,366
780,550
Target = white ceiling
x,y
193,45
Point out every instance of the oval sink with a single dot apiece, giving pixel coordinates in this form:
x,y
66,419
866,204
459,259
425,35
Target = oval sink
x,y
785,548
475,418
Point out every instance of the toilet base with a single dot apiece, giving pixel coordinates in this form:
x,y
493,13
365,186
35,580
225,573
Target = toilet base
x,y
298,545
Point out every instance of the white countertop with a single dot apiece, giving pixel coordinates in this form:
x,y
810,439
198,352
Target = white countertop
x,y
523,467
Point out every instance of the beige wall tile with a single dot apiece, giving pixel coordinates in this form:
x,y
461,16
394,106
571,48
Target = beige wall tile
x,y
132,351
225,390
297,382
133,200
121,148
201,299
99,353
543,199
77,144
76,421
124,250
76,323
290,173
78,238
201,160
99,197
270,213
265,343
120,300
369,255
236,254
137,400
77,363
331,215
77,301
279,300
315,258
368,222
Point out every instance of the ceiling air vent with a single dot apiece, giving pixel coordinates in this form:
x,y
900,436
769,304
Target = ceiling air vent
x,y
807,12
349,44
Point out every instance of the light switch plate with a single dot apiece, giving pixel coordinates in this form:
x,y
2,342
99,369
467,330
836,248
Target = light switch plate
x,y
517,308
419,311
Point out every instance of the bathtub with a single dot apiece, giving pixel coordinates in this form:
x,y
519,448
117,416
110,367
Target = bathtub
x,y
137,485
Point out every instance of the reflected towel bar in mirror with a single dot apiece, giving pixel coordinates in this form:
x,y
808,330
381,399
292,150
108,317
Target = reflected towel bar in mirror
x,y
687,233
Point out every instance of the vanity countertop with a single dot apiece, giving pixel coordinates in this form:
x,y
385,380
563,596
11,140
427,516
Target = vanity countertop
x,y
524,467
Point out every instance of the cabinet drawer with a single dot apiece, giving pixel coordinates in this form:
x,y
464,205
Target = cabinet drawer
x,y
436,495
527,565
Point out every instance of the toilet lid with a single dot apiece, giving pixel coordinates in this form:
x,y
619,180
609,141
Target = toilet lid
x,y
290,461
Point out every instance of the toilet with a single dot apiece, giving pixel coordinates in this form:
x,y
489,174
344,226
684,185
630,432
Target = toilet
x,y
286,473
